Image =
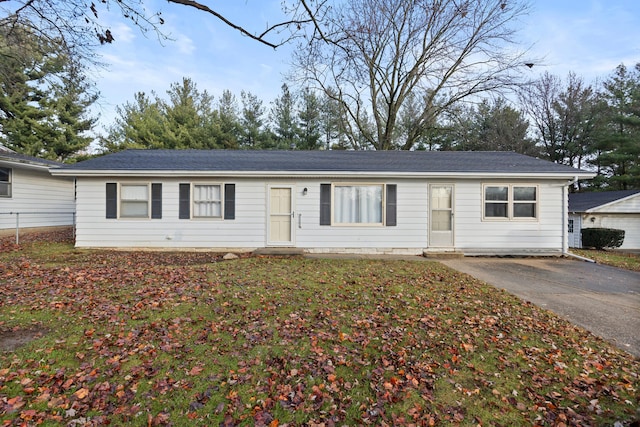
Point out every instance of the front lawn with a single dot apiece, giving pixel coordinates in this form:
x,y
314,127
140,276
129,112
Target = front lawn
x,y
619,259
148,338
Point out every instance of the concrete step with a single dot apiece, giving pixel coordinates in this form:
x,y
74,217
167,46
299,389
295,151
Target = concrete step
x,y
443,254
278,251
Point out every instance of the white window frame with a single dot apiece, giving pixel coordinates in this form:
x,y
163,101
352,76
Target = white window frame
x,y
334,204
121,200
194,202
8,183
511,202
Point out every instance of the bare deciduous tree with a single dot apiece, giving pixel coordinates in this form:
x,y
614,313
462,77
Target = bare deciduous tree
x,y
563,115
378,53
80,24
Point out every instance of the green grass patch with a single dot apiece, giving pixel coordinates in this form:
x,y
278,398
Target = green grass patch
x,y
619,259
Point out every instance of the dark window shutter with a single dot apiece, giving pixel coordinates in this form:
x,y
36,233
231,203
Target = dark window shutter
x,y
112,200
185,201
156,201
229,201
325,204
392,196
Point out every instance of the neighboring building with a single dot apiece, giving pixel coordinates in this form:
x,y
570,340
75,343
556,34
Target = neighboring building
x,y
605,209
323,201
30,196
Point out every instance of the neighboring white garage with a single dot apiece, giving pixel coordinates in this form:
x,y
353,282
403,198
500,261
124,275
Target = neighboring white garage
x,y
607,209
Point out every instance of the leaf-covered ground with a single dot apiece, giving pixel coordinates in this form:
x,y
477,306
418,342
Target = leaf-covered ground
x,y
150,338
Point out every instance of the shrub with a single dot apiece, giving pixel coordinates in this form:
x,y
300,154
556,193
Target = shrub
x,y
601,238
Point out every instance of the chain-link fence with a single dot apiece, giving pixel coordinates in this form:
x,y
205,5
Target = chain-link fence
x,y
35,219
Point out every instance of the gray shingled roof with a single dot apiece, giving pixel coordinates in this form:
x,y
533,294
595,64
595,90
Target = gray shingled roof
x,y
582,202
320,161
23,158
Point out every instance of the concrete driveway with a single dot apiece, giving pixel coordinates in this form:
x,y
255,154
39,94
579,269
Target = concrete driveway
x,y
604,300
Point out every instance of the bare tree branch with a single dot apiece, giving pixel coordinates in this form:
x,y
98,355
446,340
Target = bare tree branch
x,y
438,52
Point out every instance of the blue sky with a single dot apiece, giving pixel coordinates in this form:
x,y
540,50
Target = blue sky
x,y
588,37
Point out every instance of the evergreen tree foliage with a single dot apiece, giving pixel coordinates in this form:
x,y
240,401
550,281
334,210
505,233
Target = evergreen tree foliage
x,y
187,119
495,126
230,128
253,134
139,124
310,121
44,98
618,141
285,126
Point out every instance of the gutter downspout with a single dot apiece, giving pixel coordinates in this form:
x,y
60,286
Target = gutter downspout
x,y
565,232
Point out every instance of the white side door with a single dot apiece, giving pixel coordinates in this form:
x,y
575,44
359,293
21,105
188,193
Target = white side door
x,y
441,215
280,220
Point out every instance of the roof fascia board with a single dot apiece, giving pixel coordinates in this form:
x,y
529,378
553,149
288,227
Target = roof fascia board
x,y
315,174
27,164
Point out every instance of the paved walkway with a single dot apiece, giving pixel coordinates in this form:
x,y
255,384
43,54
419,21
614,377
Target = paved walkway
x,y
604,300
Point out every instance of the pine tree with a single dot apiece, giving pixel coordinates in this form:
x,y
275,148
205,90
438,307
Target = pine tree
x,y
187,119
309,125
229,122
254,134
139,124
283,118
44,98
618,142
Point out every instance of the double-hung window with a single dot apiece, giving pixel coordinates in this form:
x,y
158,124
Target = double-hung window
x,y
207,201
134,201
142,200
5,182
510,202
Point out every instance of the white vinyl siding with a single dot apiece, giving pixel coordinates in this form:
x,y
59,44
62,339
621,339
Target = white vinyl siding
x,y
477,235
630,223
622,214
93,230
249,229
41,200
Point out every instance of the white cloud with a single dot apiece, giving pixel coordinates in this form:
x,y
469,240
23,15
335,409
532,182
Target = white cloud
x,y
588,38
122,33
185,45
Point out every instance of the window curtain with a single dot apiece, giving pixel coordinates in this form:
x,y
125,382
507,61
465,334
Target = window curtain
x,y
207,201
134,201
358,204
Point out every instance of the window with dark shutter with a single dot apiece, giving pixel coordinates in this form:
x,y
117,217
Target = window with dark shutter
x,y
112,200
185,201
229,201
391,216
325,204
156,201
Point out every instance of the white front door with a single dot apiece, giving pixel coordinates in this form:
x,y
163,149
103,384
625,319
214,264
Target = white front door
x,y
441,215
280,219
